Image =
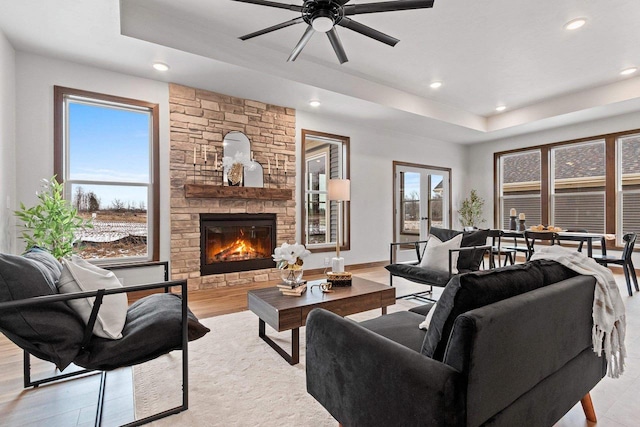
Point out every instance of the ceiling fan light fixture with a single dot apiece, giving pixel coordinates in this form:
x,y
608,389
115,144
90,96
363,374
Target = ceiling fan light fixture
x,y
574,24
628,71
322,24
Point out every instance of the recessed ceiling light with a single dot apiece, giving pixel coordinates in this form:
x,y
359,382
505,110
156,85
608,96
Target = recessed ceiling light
x,y
160,66
574,24
628,71
501,108
314,103
435,85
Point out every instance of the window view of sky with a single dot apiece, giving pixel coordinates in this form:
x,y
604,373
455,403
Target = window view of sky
x,y
109,145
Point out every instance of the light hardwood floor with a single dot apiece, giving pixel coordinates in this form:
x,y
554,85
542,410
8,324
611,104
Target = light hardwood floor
x,y
72,403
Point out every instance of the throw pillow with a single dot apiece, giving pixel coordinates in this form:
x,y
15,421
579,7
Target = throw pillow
x,y
474,290
425,325
436,254
79,275
154,327
51,332
47,264
471,260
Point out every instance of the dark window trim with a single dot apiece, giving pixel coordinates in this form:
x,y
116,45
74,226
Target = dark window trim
x,y
59,93
346,237
545,152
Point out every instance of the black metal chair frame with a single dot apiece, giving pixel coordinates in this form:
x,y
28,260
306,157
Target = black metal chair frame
x,y
420,247
625,261
99,295
498,250
531,236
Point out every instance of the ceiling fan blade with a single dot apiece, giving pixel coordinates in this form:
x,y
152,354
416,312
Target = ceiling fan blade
x,y
273,28
301,44
342,2
367,31
293,7
337,45
387,6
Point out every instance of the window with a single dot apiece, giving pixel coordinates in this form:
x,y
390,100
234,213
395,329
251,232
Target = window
x,y
591,184
520,186
106,153
325,157
410,203
628,186
578,186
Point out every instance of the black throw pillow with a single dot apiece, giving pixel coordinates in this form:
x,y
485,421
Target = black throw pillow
x,y
51,332
467,261
153,328
473,290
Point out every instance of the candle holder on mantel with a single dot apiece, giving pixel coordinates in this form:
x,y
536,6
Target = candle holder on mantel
x,y
513,225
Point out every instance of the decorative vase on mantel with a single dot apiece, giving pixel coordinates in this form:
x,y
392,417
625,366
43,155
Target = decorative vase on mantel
x,y
290,276
234,176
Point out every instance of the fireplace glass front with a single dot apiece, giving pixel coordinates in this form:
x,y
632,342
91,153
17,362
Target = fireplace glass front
x,y
236,242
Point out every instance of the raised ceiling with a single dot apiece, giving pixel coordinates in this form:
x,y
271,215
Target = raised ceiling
x,y
500,52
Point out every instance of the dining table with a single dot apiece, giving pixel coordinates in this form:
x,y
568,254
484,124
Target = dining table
x,y
574,236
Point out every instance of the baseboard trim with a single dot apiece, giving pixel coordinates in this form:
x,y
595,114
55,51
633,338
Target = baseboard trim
x,y
350,267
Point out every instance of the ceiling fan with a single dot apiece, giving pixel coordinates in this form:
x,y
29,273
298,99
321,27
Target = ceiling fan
x,y
323,15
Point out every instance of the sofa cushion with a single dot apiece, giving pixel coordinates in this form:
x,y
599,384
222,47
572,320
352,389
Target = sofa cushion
x,y
401,327
419,274
79,275
51,332
153,328
473,290
436,254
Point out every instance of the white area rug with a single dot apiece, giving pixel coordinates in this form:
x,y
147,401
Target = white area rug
x,y
235,379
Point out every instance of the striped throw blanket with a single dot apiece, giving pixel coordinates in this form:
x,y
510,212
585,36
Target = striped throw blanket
x,y
609,324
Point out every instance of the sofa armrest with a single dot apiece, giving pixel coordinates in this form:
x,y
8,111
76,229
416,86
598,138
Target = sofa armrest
x,y
364,379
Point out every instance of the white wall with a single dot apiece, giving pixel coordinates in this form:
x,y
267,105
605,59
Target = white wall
x,y
7,145
36,76
372,152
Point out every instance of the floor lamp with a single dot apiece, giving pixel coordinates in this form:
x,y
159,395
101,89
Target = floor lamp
x,y
339,190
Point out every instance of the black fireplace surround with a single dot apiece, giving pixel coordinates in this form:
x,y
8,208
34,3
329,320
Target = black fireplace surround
x,y
236,242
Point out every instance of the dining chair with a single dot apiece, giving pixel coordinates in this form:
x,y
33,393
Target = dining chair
x,y
574,230
625,261
497,250
515,248
531,237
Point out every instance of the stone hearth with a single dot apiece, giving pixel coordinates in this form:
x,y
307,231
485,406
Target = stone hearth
x,y
200,119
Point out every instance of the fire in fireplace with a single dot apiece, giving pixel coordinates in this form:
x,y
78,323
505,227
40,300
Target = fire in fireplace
x,y
236,242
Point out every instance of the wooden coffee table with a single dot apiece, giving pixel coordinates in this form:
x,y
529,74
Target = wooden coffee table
x,y
284,313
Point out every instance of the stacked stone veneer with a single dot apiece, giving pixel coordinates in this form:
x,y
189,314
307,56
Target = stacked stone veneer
x,y
201,119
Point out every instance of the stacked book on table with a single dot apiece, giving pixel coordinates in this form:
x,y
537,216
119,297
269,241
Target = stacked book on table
x,y
293,290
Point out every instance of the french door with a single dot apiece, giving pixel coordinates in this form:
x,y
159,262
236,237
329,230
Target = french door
x,y
422,199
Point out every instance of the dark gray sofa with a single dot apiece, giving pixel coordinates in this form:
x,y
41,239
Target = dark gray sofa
x,y
510,346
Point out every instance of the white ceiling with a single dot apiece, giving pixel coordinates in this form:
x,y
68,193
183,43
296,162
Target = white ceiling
x,y
487,53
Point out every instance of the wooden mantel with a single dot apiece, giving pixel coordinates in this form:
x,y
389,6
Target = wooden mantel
x,y
193,191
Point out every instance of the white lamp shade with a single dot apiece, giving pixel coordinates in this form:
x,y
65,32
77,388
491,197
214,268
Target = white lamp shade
x,y
339,189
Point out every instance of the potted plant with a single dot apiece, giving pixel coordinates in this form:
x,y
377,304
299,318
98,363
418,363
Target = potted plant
x,y
51,224
471,210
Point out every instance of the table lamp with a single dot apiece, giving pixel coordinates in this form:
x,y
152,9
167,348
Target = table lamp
x,y
339,190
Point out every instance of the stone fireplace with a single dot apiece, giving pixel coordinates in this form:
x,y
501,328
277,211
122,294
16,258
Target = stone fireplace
x,y
200,119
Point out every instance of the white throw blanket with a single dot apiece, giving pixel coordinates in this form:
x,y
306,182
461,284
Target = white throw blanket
x,y
609,323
